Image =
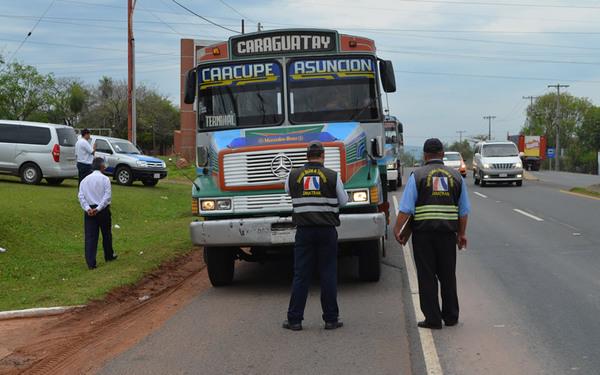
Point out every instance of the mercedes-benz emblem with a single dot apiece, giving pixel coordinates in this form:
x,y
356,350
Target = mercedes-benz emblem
x,y
281,166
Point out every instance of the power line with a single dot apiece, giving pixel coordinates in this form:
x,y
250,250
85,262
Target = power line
x,y
34,26
206,19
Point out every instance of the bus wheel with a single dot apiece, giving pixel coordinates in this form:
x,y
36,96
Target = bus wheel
x,y
369,259
220,264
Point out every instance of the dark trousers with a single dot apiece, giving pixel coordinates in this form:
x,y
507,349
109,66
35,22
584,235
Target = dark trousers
x,y
93,225
435,260
84,170
314,246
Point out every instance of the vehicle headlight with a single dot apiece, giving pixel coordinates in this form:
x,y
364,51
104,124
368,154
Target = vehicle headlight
x,y
141,163
360,196
215,204
391,166
518,165
486,166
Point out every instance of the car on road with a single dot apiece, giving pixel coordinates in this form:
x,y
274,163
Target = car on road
x,y
455,160
36,150
126,163
497,162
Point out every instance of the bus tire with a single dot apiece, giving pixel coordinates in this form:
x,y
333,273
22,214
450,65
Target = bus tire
x,y
220,264
369,259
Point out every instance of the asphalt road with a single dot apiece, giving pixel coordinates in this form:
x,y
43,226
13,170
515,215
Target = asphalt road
x,y
528,287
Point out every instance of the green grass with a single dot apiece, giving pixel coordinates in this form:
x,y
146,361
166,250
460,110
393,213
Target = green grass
x,y
585,191
41,228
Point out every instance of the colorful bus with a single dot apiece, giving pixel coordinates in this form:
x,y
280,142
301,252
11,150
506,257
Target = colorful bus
x,y
260,99
394,139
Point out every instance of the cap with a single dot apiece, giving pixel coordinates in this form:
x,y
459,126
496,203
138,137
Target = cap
x,y
315,145
433,146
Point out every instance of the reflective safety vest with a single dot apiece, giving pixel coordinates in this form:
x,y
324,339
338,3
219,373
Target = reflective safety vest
x,y
439,188
314,200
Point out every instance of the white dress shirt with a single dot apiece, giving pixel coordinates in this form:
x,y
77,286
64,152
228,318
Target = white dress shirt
x,y
83,150
95,189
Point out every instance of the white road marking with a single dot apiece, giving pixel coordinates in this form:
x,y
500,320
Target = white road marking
x,y
481,195
432,361
528,215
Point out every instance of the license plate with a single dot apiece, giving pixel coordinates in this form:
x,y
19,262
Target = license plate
x,y
283,236
503,175
157,175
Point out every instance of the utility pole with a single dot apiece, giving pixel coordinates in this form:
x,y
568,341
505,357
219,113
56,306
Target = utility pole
x,y
558,119
529,117
131,120
490,126
460,132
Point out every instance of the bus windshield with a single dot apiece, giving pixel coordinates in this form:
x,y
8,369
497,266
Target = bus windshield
x,y
332,89
240,95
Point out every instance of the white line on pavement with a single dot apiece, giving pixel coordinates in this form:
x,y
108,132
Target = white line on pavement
x,y
528,214
432,361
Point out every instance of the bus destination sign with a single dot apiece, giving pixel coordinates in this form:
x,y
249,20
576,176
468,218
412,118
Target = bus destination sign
x,y
301,41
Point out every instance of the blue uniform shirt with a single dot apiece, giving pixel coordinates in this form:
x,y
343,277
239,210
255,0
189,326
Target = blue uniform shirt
x,y
409,198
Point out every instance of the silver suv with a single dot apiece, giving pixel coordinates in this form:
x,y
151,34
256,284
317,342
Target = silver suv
x,y
35,150
126,163
497,162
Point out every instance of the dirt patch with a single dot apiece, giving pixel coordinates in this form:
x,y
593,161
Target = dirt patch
x,y
80,341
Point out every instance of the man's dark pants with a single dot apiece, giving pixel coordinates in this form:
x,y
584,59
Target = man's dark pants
x,y
314,246
435,259
84,170
93,225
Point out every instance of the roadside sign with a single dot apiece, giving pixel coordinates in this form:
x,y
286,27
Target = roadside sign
x,y
550,153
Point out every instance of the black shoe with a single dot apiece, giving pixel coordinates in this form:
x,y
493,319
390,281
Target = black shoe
x,y
450,324
426,324
115,256
92,267
292,326
334,325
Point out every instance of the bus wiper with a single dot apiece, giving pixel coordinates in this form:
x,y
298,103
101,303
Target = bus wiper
x,y
365,107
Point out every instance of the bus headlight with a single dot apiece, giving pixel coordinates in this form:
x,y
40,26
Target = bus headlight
x,y
360,196
215,204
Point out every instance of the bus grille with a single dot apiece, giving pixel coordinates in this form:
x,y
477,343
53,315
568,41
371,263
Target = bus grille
x,y
253,168
262,203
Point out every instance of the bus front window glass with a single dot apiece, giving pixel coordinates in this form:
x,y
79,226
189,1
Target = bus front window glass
x,y
240,95
334,90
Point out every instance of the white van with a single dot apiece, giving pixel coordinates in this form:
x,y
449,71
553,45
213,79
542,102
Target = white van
x,y
497,162
35,150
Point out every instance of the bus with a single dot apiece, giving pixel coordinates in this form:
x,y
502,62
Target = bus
x,y
260,98
394,139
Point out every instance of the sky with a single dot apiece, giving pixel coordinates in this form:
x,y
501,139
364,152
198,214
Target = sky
x,y
463,68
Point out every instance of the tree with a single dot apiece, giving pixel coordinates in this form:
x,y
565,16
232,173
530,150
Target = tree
x,y
70,99
24,93
157,119
545,117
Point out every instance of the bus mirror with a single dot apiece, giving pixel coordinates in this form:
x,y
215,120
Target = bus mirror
x,y
388,79
377,146
189,94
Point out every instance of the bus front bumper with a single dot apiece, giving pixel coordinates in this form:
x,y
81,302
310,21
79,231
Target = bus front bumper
x,y
277,231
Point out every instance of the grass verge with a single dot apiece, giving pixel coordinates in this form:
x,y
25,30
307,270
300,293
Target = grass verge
x,y
41,230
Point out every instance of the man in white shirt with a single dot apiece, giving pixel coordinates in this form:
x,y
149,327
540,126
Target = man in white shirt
x,y
94,197
84,153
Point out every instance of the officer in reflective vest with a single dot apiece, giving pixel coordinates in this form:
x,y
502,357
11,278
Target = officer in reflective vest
x,y
317,192
436,202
